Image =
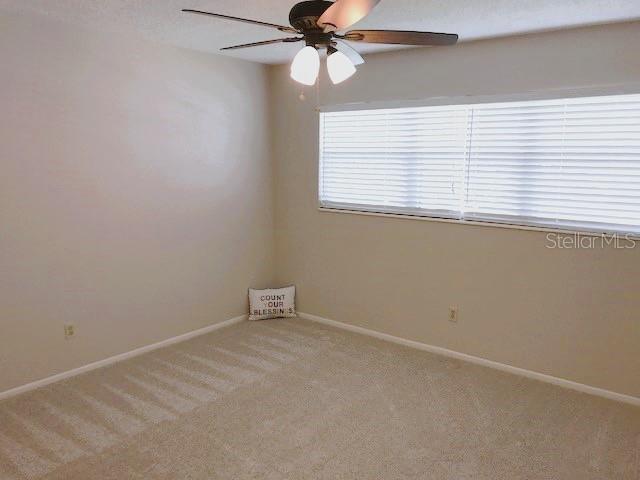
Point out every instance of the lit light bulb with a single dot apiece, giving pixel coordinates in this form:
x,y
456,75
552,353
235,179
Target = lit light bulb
x,y
306,66
340,67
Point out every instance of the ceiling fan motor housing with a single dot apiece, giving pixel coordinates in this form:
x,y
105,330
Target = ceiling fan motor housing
x,y
304,15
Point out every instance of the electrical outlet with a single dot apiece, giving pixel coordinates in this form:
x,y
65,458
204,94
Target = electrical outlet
x,y
69,331
453,314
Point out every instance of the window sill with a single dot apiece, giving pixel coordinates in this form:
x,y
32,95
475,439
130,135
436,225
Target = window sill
x,y
478,223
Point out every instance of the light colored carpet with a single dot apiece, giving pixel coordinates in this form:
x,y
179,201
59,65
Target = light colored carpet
x,y
290,399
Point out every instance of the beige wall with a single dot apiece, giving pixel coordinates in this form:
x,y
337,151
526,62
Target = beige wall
x,y
569,313
135,193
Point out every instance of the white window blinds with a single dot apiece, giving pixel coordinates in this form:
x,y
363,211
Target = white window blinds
x,y
569,163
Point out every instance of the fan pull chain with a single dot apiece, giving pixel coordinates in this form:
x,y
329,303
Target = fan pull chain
x,y
303,98
318,93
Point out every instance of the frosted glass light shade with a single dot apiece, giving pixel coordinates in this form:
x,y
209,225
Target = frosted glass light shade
x,y
306,66
340,67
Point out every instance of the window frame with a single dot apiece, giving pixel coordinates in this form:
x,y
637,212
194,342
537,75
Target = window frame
x,y
402,213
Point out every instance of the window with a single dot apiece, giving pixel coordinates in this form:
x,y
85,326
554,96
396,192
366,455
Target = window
x,y
568,163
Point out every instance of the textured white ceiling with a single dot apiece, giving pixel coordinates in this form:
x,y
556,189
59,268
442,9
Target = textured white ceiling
x,y
162,21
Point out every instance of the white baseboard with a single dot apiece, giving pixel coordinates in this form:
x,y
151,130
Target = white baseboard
x,y
118,358
561,382
620,397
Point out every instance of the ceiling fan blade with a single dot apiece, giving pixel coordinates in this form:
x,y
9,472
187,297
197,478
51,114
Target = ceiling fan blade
x,y
344,13
282,28
350,52
401,37
266,42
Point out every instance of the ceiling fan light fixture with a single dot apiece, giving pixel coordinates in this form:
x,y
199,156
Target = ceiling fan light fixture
x,y
340,67
306,66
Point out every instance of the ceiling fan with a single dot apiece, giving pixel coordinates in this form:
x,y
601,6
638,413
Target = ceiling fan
x,y
317,23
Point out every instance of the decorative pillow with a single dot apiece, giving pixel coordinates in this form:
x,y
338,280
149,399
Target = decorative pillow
x,y
272,303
